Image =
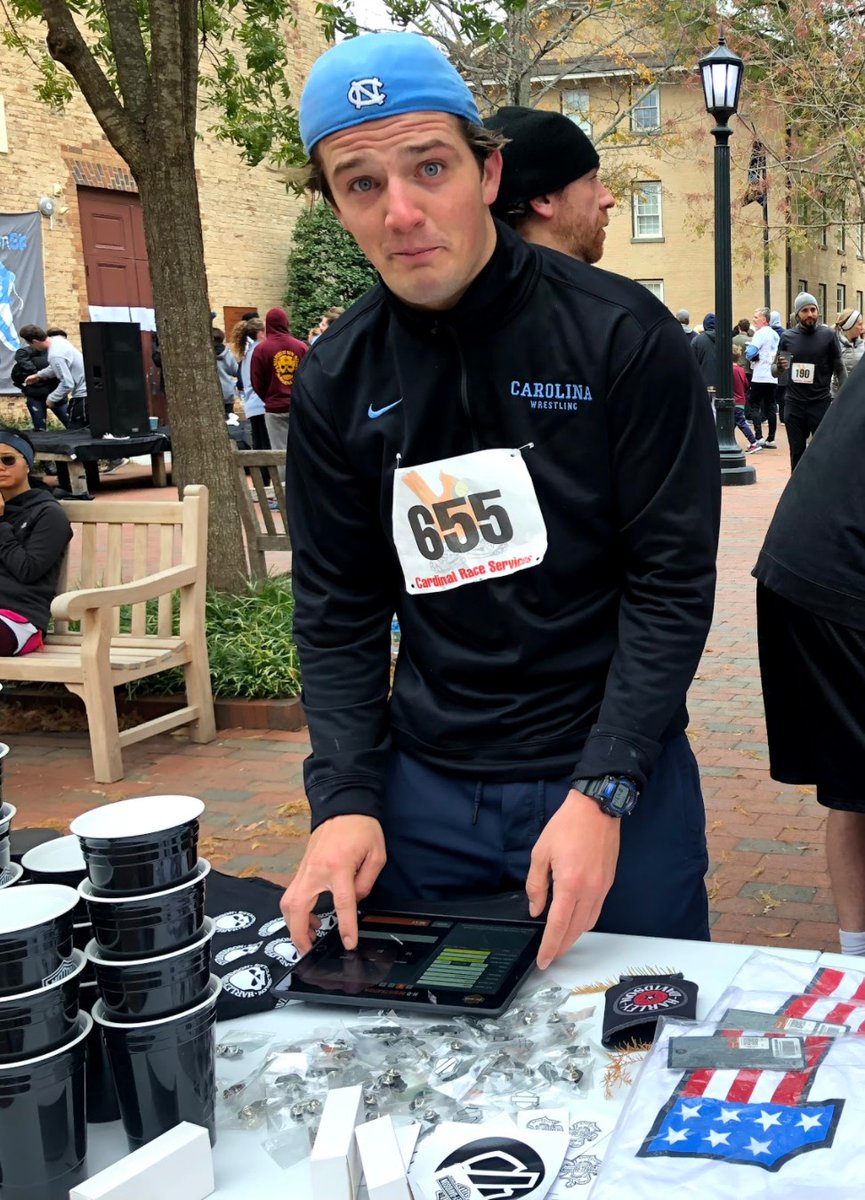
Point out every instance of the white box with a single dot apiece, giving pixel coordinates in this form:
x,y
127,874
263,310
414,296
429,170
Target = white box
x,y
176,1166
335,1160
383,1166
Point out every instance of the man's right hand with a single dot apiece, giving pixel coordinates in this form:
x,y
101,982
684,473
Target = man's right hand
x,y
344,857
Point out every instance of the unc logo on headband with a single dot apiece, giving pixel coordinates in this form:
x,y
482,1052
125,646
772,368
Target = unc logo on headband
x,y
366,93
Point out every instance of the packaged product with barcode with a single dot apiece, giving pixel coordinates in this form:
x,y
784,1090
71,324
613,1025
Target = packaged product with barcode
x,y
759,1052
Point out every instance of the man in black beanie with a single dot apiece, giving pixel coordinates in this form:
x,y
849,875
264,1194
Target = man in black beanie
x,y
550,190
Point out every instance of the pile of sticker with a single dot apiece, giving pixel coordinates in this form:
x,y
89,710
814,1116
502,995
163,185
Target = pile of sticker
x,y
526,1073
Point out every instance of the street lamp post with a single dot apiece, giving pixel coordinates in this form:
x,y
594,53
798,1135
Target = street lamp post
x,y
722,73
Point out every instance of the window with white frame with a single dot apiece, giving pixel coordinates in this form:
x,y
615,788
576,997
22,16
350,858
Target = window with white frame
x,y
655,286
859,235
575,105
647,215
646,112
841,297
823,299
842,228
859,302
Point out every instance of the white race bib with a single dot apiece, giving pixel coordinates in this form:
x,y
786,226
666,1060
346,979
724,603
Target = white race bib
x,y
466,519
802,373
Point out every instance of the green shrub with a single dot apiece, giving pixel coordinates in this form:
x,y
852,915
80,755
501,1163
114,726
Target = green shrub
x,y
249,641
325,268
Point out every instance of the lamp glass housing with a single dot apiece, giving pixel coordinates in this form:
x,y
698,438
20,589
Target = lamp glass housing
x,y
722,73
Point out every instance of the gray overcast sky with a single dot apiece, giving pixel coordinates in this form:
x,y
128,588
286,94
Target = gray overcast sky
x,y
371,14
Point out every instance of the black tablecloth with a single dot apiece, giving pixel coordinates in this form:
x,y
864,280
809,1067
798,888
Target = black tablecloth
x,y
86,448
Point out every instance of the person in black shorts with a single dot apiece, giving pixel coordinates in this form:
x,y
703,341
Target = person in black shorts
x,y
811,635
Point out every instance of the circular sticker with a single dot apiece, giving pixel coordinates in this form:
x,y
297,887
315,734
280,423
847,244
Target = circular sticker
x,y
647,998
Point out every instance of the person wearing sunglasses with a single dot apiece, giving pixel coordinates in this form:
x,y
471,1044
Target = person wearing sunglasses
x,y
34,534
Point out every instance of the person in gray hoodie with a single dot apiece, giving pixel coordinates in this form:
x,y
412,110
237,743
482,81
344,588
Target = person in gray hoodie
x,y
66,365
226,369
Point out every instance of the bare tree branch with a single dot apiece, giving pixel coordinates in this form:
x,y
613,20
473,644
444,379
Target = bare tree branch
x,y
68,47
130,56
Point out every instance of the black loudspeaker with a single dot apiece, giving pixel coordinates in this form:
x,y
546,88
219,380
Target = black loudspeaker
x,y
114,370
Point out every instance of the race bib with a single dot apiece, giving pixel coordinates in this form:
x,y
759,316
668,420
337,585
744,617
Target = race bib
x,y
466,519
802,373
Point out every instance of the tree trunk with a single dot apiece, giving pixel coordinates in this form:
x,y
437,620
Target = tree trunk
x,y
201,448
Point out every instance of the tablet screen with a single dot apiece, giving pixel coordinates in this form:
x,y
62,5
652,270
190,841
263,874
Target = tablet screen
x,y
410,960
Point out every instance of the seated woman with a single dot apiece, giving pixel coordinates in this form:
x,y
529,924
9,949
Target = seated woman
x,y
34,534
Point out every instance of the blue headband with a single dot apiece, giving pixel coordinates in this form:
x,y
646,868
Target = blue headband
x,y
377,76
18,443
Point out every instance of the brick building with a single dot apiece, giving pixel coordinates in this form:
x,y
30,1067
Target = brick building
x,y
661,232
247,213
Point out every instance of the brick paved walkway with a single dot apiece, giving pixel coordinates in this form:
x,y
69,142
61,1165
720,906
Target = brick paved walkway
x,y
768,882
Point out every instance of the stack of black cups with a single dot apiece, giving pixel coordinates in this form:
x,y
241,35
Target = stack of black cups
x,y
61,861
10,872
43,1036
150,953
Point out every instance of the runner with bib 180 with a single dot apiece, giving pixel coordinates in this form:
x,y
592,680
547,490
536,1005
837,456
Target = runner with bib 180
x,y
481,446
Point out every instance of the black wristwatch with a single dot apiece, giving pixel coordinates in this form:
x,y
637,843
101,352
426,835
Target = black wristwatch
x,y
616,795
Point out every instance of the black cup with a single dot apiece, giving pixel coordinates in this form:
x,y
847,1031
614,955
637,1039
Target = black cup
x,y
101,1094
35,935
156,923
58,861
82,933
32,1023
142,845
145,989
4,750
164,1070
10,875
7,811
43,1130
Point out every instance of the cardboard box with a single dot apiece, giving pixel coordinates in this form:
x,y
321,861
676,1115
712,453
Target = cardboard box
x,y
382,1161
176,1166
334,1164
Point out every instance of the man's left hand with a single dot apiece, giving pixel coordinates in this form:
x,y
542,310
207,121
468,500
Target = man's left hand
x,y
579,848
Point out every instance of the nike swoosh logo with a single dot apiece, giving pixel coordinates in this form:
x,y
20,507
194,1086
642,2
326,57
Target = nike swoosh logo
x,y
372,413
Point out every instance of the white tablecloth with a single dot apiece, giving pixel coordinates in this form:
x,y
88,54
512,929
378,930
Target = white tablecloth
x,y
244,1170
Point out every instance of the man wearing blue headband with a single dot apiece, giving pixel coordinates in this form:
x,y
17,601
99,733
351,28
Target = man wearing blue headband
x,y
481,445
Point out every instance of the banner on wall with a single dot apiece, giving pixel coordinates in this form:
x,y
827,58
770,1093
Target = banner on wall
x,y
22,285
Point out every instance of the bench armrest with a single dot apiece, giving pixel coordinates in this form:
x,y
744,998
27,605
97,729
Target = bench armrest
x,y
71,606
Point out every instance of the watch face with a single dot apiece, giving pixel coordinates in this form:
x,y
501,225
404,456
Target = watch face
x,y
620,797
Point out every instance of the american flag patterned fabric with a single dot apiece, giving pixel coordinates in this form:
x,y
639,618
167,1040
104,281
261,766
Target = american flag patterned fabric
x,y
744,1132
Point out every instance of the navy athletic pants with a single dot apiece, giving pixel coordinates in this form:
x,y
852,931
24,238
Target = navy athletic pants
x,y
451,837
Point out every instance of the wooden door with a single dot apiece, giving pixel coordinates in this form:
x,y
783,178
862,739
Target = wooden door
x,y
117,270
232,313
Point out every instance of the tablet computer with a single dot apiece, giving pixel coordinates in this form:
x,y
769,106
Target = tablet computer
x,y
417,961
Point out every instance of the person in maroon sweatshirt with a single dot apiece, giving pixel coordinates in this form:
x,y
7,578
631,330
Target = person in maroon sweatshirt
x,y
272,370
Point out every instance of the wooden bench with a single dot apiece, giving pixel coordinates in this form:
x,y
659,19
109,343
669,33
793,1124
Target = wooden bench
x,y
110,564
274,534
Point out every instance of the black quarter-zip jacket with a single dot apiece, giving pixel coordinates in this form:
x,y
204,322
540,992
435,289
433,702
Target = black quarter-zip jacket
x,y
580,664
34,534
